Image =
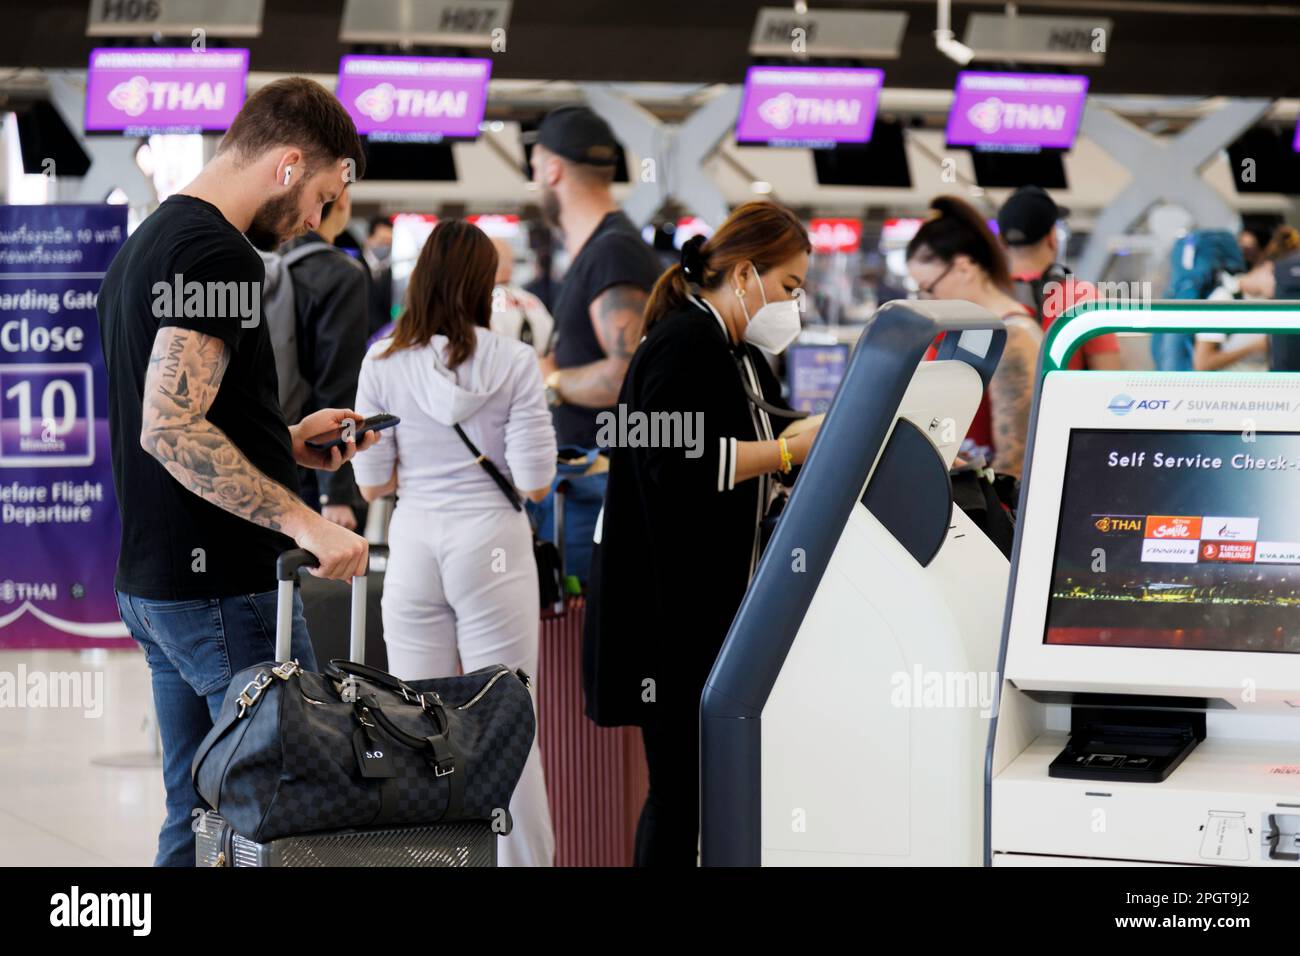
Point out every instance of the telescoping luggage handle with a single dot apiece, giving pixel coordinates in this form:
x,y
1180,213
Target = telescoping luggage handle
x,y
286,570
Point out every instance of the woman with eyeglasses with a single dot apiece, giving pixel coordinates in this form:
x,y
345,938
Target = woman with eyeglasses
x,y
954,255
678,540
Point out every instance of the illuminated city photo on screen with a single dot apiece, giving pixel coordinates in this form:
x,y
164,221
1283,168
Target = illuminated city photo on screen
x,y
1185,540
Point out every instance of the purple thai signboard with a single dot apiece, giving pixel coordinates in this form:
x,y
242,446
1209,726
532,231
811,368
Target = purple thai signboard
x,y
58,514
414,97
164,91
1016,110
803,105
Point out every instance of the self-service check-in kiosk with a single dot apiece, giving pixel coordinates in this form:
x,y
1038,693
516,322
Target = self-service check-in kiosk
x,y
833,731
1150,704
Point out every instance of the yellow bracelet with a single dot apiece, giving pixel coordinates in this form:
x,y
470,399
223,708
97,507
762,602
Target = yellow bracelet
x,y
787,459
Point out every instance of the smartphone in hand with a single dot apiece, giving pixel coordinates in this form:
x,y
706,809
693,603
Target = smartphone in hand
x,y
334,437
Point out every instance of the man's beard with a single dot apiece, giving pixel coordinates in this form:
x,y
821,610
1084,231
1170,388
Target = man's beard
x,y
551,208
275,220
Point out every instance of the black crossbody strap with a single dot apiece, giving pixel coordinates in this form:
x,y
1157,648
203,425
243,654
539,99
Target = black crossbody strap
x,y
507,489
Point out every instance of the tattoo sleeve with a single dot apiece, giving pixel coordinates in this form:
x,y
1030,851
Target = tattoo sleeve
x,y
616,316
1010,396
183,378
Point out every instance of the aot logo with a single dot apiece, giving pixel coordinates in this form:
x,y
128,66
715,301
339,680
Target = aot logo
x,y
992,115
383,102
1175,527
133,96
1123,404
782,112
1119,524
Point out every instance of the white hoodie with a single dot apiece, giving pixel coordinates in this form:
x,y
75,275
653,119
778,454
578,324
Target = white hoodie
x,y
496,396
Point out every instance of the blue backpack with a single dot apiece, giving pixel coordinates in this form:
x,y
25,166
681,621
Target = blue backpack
x,y
1195,264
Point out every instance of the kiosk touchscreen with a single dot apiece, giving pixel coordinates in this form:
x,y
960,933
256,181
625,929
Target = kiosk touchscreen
x,y
1150,707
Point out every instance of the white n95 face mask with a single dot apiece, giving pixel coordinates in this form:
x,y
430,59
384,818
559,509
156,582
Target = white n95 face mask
x,y
775,325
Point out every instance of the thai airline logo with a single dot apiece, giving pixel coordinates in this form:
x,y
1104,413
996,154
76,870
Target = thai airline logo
x,y
1119,524
385,101
786,110
139,94
993,115
1173,527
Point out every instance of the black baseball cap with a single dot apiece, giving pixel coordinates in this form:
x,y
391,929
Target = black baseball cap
x,y
1028,215
579,135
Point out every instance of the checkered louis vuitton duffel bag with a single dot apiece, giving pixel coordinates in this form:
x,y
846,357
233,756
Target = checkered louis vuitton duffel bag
x,y
294,752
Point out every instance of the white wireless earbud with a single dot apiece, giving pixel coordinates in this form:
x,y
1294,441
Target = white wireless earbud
x,y
287,171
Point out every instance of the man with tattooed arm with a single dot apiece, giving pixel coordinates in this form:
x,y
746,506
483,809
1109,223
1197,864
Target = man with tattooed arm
x,y
203,461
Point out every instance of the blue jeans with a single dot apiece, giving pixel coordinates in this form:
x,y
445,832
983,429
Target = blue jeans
x,y
193,649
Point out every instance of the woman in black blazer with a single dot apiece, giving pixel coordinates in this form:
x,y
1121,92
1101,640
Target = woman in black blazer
x,y
694,462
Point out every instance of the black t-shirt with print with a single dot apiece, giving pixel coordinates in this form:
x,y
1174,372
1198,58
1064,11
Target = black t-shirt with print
x,y
176,545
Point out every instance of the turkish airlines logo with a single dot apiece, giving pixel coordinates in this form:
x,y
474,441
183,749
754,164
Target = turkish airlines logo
x,y
130,96
993,115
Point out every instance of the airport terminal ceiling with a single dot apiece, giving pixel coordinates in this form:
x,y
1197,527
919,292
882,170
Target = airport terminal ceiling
x,y
1184,47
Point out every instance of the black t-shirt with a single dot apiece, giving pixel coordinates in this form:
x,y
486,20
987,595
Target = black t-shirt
x,y
176,545
614,255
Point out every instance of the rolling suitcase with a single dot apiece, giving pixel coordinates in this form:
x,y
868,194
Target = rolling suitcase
x,y
461,843
325,606
596,778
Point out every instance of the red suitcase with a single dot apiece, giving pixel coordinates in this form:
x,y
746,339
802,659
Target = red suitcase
x,y
596,778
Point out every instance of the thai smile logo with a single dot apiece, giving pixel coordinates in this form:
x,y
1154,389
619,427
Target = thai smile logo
x,y
130,96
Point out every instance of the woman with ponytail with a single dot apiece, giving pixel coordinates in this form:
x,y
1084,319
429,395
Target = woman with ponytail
x,y
694,462
954,255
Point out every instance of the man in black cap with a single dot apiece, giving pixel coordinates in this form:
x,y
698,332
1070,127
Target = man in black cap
x,y
599,306
1027,228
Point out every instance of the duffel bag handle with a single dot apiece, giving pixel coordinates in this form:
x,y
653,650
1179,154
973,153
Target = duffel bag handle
x,y
287,566
342,670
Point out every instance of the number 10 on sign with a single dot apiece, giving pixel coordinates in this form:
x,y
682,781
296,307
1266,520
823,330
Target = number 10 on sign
x,y
47,416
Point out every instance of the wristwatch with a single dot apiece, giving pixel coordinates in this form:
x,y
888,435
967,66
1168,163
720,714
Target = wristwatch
x,y
552,383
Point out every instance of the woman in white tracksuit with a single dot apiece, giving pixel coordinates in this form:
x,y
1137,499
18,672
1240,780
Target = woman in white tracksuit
x,y
461,582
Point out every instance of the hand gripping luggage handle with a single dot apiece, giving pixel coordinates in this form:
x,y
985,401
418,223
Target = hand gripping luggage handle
x,y
286,571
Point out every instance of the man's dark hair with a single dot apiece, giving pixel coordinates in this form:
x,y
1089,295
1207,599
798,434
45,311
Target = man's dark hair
x,y
296,111
378,221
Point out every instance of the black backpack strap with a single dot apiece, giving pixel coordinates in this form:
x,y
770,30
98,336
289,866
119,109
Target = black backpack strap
x,y
506,487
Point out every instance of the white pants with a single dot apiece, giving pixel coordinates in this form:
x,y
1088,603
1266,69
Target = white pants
x,y
464,584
